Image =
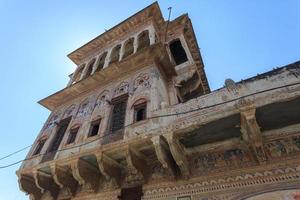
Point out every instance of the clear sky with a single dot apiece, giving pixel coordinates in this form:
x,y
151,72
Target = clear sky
x,y
238,39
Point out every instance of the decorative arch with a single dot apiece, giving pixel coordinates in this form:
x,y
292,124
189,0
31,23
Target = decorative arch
x,y
89,69
128,47
143,40
102,99
115,54
139,99
122,89
101,61
139,109
142,81
69,111
84,108
52,121
78,73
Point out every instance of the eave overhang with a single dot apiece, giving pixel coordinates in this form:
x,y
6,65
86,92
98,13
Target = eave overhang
x,y
151,12
154,54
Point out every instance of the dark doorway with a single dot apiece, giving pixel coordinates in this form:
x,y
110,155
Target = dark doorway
x,y
178,52
62,127
134,193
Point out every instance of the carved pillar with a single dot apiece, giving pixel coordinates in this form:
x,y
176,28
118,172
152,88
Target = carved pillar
x,y
86,174
107,59
151,35
63,177
109,168
122,51
251,132
179,154
27,185
163,154
135,43
45,182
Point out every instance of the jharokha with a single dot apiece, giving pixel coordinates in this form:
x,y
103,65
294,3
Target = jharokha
x,y
138,120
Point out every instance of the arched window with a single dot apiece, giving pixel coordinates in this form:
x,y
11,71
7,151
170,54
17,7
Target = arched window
x,y
101,61
72,135
128,47
140,110
78,74
143,40
89,68
178,52
115,54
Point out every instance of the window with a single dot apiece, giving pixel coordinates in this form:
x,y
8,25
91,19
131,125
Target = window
x,y
89,68
39,147
118,113
115,54
101,61
178,52
72,135
128,48
143,40
94,128
77,74
140,112
55,143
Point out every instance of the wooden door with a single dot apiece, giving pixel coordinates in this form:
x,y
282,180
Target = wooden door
x,y
134,193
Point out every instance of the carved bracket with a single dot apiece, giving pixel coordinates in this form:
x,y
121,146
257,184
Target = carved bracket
x,y
251,133
163,154
110,168
27,184
63,177
86,174
45,182
179,154
137,161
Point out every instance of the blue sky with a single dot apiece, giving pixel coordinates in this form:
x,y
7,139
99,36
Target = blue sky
x,y
238,39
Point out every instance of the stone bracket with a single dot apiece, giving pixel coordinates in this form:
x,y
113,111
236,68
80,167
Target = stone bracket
x,y
45,182
251,132
163,153
86,174
110,168
27,184
63,177
136,160
179,154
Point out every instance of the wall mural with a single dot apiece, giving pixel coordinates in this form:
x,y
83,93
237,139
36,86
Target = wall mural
x,y
102,99
218,160
84,109
142,81
122,89
283,147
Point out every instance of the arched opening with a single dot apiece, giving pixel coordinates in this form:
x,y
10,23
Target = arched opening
x,y
115,54
128,47
78,74
72,135
143,40
89,68
140,110
101,61
178,52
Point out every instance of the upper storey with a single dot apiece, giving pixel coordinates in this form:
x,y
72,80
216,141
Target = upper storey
x,y
143,39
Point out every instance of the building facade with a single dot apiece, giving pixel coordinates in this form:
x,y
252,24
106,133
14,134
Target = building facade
x,y
137,120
